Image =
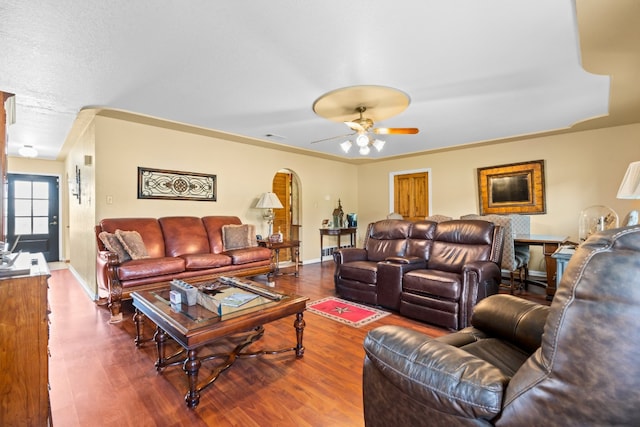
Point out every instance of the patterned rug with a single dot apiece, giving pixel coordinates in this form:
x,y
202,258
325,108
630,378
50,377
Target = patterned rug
x,y
346,312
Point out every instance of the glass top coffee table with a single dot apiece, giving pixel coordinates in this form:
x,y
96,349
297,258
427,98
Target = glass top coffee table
x,y
194,327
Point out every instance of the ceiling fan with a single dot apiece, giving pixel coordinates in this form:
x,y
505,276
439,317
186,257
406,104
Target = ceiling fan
x,y
379,102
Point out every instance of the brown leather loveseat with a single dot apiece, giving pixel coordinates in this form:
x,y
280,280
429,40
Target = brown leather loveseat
x,y
179,247
435,272
575,363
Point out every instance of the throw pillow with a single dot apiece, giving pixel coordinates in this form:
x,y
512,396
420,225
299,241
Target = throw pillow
x,y
112,244
132,243
238,236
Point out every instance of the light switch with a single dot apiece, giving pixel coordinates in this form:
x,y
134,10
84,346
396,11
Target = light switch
x,y
109,200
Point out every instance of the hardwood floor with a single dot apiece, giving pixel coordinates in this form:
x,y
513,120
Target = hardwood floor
x,y
99,378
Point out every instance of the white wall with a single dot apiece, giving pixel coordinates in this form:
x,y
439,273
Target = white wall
x,y
581,169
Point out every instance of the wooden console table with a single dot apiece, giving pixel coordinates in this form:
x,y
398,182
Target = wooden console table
x,y
350,231
550,244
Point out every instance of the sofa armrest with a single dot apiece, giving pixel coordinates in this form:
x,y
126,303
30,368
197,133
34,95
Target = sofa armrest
x,y
107,277
389,284
488,274
407,260
436,374
342,256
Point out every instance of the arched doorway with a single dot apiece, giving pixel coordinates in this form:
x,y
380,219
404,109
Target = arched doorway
x,y
286,185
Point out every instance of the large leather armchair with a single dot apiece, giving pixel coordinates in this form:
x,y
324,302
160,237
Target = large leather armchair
x,y
576,363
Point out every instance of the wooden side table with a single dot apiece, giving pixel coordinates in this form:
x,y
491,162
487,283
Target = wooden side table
x,y
275,254
350,231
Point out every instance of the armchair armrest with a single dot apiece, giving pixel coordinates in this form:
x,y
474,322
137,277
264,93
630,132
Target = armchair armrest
x,y
435,374
511,318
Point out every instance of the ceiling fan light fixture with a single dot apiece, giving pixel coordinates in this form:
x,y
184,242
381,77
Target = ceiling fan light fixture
x,y
362,140
365,150
346,146
378,143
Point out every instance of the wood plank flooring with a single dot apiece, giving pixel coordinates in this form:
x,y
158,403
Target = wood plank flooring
x,y
99,378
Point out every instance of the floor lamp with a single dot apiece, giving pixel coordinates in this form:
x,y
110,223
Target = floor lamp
x,y
269,202
630,189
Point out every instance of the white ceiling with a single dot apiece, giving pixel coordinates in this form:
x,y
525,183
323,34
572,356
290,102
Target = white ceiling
x,y
475,70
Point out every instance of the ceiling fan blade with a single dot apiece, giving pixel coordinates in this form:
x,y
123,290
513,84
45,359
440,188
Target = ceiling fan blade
x,y
397,131
333,137
355,126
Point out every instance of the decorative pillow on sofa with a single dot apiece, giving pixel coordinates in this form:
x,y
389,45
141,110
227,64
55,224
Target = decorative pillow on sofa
x,y
112,244
132,243
238,236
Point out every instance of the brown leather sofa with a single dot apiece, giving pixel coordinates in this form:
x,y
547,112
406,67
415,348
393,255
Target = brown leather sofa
x,y
574,363
180,247
433,272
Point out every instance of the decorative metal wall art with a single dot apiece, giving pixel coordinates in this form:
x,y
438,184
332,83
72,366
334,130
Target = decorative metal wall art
x,y
175,185
514,188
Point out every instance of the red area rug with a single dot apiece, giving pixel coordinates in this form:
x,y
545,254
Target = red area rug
x,y
346,312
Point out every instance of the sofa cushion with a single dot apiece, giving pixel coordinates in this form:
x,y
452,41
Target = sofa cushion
x,y
203,261
112,243
360,271
213,225
149,229
238,236
459,242
247,255
149,267
433,282
184,235
132,242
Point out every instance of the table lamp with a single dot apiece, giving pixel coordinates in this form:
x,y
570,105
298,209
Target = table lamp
x,y
630,189
269,202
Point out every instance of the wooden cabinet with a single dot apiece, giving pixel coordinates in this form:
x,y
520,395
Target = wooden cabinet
x,y
24,353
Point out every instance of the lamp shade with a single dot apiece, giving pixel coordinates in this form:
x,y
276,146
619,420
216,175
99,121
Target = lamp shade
x,y
630,186
269,201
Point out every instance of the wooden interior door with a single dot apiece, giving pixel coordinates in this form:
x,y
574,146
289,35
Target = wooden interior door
x,y
282,217
411,195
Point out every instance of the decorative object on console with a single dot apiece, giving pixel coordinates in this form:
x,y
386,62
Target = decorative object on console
x,y
338,216
352,220
596,218
512,188
379,102
269,201
175,185
630,189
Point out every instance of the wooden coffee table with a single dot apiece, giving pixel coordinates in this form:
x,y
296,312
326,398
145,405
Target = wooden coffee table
x,y
194,327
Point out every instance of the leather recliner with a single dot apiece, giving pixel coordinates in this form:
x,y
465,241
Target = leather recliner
x,y
356,274
576,363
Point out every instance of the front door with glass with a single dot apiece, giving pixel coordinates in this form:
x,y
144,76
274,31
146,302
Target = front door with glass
x,y
33,214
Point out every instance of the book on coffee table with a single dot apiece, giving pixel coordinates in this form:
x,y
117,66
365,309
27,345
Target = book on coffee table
x,y
229,300
237,299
